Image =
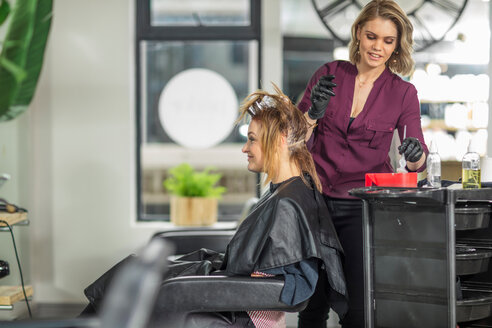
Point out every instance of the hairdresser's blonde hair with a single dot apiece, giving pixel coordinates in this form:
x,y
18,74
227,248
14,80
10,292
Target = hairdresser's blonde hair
x,y
278,118
401,60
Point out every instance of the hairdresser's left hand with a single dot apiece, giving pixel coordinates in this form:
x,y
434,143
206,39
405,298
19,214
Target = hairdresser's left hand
x,y
411,149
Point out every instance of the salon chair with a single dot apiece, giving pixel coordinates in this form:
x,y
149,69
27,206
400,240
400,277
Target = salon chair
x,y
175,299
178,297
215,293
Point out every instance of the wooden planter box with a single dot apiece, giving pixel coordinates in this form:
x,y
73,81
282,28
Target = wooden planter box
x,y
193,211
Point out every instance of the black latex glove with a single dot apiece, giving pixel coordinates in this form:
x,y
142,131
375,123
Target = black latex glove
x,y
320,96
412,149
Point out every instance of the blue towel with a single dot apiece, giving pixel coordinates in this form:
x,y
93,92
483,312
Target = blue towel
x,y
300,280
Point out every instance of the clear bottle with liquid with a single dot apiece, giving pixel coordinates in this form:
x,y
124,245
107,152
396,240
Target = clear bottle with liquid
x,y
470,177
433,167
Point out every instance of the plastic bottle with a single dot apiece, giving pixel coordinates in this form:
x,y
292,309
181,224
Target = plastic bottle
x,y
470,177
433,167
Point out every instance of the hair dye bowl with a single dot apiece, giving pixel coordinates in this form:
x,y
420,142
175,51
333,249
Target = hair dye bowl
x,y
392,179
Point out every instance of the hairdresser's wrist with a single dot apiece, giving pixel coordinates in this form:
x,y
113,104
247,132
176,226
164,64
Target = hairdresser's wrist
x,y
311,122
413,167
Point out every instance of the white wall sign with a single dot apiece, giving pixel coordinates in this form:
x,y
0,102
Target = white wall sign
x,y
197,108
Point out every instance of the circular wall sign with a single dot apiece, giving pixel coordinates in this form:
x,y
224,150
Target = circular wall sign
x,y
197,108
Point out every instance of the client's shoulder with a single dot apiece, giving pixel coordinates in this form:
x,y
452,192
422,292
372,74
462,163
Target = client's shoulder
x,y
296,189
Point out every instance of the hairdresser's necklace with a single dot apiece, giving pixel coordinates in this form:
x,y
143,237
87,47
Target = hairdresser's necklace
x,y
365,83
362,90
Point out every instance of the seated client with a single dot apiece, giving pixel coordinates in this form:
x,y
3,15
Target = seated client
x,y
289,232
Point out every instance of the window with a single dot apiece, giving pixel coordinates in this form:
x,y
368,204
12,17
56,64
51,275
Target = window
x,y
177,36
302,56
203,13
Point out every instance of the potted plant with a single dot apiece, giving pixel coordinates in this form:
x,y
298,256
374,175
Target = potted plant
x,y
194,195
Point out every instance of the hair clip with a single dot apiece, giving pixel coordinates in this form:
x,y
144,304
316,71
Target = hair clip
x,y
266,102
293,144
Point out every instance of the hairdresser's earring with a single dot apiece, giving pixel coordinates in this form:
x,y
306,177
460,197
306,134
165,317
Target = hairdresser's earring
x,y
395,54
357,45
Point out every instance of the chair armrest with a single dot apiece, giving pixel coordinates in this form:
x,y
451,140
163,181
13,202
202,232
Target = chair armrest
x,y
222,294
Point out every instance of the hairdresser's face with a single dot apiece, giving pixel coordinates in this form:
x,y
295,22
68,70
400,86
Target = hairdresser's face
x,y
378,39
252,148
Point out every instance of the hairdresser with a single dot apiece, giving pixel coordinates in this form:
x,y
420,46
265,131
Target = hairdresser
x,y
350,134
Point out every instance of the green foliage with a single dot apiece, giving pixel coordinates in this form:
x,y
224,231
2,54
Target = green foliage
x,y
184,181
4,11
22,53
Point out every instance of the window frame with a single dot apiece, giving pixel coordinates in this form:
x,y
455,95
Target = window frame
x,y
144,31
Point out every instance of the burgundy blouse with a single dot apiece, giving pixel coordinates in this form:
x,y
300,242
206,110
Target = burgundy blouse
x,y
343,153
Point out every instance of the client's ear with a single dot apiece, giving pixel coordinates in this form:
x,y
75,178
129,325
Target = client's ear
x,y
284,145
283,140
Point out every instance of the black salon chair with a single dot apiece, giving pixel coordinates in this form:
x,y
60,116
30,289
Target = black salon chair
x,y
169,304
177,298
216,293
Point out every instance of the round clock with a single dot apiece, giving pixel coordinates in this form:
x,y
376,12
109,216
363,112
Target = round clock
x,y
431,19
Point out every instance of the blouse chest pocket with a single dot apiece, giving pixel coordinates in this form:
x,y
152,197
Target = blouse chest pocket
x,y
330,111
326,124
378,133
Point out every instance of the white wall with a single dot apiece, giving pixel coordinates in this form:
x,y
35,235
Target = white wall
x,y
13,161
489,128
82,204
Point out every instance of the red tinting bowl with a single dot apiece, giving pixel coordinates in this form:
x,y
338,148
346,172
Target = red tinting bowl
x,y
391,179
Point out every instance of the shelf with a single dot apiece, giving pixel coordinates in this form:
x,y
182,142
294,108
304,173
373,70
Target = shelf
x,y
12,219
442,101
11,294
441,125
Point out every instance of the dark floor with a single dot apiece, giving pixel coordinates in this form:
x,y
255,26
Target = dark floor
x,y
46,315
45,311
56,311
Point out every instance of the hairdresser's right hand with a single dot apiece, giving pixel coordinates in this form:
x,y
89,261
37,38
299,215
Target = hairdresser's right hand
x,y
320,96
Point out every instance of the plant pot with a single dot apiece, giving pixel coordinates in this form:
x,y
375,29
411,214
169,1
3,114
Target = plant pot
x,y
193,211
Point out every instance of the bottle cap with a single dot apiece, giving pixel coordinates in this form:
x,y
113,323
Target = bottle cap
x,y
433,147
472,147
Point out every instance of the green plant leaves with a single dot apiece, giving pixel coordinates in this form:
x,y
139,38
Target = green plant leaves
x,y
4,11
184,181
22,55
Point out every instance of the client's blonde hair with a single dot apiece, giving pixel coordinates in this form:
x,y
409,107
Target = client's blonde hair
x,y
278,117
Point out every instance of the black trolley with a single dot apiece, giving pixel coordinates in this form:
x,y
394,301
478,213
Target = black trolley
x,y
426,257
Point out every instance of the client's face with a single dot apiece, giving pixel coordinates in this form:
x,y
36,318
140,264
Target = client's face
x,y
252,148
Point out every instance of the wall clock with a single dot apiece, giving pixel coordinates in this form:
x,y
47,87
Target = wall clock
x,y
431,19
